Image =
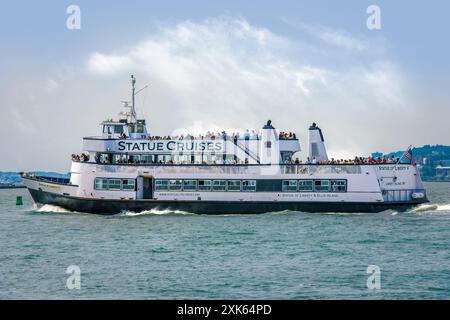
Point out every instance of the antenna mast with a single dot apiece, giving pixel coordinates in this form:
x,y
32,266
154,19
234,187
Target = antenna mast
x,y
133,107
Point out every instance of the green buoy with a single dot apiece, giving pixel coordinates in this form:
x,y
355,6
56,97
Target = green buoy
x,y
19,201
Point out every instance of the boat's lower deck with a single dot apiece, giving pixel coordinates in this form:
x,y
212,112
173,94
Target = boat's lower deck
x,y
114,206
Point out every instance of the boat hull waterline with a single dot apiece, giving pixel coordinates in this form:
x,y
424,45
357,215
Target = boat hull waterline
x,y
114,206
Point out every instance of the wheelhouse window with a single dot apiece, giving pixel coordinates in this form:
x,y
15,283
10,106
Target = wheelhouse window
x,y
305,185
321,185
108,129
234,185
161,185
140,128
339,185
204,185
175,185
248,185
219,185
189,185
118,129
289,185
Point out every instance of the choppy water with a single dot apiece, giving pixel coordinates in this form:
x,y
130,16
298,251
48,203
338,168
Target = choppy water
x,y
287,255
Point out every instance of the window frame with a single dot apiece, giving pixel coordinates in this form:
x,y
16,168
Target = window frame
x,y
245,188
201,188
289,181
329,185
305,180
342,185
219,180
129,184
175,190
159,183
195,184
234,180
110,182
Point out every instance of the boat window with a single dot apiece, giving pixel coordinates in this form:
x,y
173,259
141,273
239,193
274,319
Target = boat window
x,y
204,185
108,129
118,129
305,185
289,185
248,185
339,185
131,128
113,184
219,185
147,158
140,128
161,185
120,158
189,185
175,185
321,185
101,184
103,158
128,184
234,185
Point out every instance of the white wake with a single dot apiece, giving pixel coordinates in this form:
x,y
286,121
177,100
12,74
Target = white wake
x,y
154,212
51,208
428,207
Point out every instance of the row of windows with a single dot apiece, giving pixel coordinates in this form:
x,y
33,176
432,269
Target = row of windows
x,y
314,185
115,184
205,185
320,185
119,128
119,158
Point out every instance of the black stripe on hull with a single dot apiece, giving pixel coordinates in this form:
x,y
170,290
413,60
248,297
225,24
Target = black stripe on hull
x,y
110,207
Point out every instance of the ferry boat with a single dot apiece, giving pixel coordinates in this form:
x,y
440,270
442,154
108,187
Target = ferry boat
x,y
128,169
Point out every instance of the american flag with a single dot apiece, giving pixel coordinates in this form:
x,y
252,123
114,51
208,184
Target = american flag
x,y
408,154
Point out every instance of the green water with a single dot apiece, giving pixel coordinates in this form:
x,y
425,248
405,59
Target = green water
x,y
291,255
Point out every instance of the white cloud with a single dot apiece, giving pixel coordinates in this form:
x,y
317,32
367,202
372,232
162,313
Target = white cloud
x,y
108,64
339,38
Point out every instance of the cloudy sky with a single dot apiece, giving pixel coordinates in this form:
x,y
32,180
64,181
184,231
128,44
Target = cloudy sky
x,y
223,65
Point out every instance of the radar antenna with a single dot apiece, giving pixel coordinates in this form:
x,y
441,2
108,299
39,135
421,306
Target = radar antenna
x,y
133,116
133,106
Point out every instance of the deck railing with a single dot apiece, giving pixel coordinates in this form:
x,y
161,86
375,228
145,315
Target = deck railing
x,y
229,169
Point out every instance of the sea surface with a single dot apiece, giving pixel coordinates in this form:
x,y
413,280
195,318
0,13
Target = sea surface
x,y
179,255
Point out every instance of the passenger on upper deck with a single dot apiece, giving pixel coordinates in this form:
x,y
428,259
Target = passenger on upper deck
x,y
287,136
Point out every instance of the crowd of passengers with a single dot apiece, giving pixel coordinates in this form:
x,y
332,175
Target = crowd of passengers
x,y
246,135
287,136
356,160
80,158
131,160
105,159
